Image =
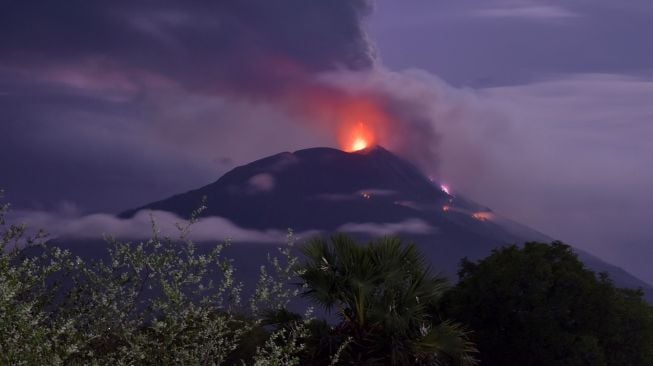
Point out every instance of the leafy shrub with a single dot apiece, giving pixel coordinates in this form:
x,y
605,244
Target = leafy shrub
x,y
157,302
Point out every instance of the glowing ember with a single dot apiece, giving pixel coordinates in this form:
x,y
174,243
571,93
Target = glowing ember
x,y
446,208
445,189
482,216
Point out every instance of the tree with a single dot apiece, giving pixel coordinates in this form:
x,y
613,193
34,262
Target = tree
x,y
382,293
539,305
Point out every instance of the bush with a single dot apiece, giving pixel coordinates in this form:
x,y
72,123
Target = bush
x,y
156,302
539,305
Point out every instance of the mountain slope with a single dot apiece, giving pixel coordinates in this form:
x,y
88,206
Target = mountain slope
x,y
368,193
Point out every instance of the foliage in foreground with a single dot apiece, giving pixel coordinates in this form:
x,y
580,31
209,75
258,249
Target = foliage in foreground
x,y
163,302
158,302
539,305
382,293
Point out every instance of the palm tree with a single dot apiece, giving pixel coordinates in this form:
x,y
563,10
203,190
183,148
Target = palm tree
x,y
383,293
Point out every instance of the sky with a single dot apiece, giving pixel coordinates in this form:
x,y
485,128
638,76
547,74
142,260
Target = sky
x,y
541,110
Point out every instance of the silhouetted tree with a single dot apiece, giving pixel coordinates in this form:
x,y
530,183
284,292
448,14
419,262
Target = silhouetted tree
x,y
539,305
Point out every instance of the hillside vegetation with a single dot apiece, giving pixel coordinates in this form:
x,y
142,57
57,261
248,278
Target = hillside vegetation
x,y
161,302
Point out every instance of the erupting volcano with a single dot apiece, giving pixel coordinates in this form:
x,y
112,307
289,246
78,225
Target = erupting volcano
x,y
368,192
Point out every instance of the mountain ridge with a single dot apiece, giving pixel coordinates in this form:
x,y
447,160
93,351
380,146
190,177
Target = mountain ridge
x,y
330,190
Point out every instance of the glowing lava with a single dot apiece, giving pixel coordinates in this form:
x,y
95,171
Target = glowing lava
x,y
358,144
361,122
482,216
445,189
358,138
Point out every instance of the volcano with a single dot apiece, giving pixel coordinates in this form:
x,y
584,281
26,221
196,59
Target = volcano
x,y
322,189
366,193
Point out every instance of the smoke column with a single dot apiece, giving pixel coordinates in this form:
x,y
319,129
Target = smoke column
x,y
309,58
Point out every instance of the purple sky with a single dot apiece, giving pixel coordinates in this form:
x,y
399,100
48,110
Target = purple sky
x,y
542,110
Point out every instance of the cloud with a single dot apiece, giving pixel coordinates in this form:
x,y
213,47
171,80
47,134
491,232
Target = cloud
x,y
166,224
284,161
161,88
248,46
409,226
263,182
467,49
140,227
527,12
572,160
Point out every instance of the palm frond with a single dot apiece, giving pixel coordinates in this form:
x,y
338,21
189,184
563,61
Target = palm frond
x,y
447,341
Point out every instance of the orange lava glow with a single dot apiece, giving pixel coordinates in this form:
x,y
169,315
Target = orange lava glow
x,y
482,216
357,120
359,144
362,123
358,138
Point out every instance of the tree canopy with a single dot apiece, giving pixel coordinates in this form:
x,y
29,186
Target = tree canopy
x,y
539,305
382,293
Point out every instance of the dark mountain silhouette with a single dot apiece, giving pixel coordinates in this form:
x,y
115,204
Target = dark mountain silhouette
x,y
369,193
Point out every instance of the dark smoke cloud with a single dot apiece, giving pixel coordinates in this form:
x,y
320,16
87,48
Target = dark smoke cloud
x,y
247,46
112,95
110,99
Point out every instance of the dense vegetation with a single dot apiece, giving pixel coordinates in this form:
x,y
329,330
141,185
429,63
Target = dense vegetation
x,y
158,302
162,302
383,293
539,305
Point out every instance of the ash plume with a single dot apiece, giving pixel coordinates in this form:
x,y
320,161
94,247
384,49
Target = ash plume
x,y
312,59
244,47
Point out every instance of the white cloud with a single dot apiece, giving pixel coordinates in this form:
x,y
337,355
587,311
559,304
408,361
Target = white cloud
x,y
574,162
140,227
215,229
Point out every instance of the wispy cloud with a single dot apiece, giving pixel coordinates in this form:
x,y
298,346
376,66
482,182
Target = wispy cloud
x,y
410,226
527,12
73,226
140,227
573,163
